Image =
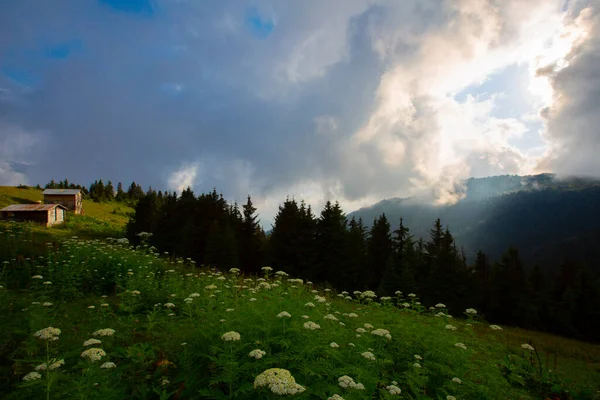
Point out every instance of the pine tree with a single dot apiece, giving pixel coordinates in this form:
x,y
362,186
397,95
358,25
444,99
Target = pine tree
x,y
511,299
397,263
144,218
120,196
356,254
379,250
109,191
330,242
249,236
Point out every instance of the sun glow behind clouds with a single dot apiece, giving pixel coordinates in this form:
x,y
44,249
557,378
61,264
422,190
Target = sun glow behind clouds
x,y
551,57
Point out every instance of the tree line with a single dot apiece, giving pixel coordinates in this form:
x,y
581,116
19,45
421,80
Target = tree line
x,y
331,250
99,191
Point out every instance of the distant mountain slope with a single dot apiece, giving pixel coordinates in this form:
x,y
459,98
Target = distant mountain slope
x,y
545,218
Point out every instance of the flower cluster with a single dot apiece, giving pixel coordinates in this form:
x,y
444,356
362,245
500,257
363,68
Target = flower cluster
x,y
231,336
382,332
49,334
526,346
93,354
279,381
347,382
393,389
258,354
104,332
311,325
284,314
368,355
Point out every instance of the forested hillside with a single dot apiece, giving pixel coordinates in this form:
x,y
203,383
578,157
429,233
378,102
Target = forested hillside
x,y
344,253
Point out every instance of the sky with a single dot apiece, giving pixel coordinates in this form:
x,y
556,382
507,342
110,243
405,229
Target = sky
x,y
347,100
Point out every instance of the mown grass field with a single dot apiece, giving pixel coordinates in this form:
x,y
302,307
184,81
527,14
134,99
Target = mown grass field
x,y
172,321
100,219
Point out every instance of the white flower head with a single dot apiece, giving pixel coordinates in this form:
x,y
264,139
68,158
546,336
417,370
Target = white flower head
x,y
104,332
49,334
258,354
394,390
311,325
56,365
368,355
284,314
526,346
32,376
456,380
91,342
333,345
279,381
93,354
231,336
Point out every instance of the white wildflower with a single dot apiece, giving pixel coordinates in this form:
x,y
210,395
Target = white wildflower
x,y
231,336
368,355
279,381
32,376
258,354
94,354
311,325
91,342
104,332
284,314
49,333
108,365
56,365
393,389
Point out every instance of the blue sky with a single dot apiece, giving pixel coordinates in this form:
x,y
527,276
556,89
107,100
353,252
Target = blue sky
x,y
351,100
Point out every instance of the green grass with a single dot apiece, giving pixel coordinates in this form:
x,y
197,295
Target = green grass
x,y
100,219
178,353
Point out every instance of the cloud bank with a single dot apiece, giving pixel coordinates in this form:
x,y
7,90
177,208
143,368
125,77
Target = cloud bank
x,y
344,100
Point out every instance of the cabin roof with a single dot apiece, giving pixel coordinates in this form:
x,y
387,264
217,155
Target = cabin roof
x,y
61,191
32,207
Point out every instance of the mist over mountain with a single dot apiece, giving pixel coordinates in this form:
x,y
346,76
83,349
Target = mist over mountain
x,y
546,217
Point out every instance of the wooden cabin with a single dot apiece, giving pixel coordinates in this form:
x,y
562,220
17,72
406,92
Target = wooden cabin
x,y
69,198
45,214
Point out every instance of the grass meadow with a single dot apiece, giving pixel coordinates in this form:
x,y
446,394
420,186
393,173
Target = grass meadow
x,y
97,319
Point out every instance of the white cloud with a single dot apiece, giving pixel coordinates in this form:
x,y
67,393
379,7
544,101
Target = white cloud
x,y
572,120
183,177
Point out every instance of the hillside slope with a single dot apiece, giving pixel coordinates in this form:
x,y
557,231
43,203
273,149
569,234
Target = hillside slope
x,y
546,219
166,326
100,219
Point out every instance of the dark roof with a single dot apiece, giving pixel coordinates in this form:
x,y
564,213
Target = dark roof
x,y
31,207
61,191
